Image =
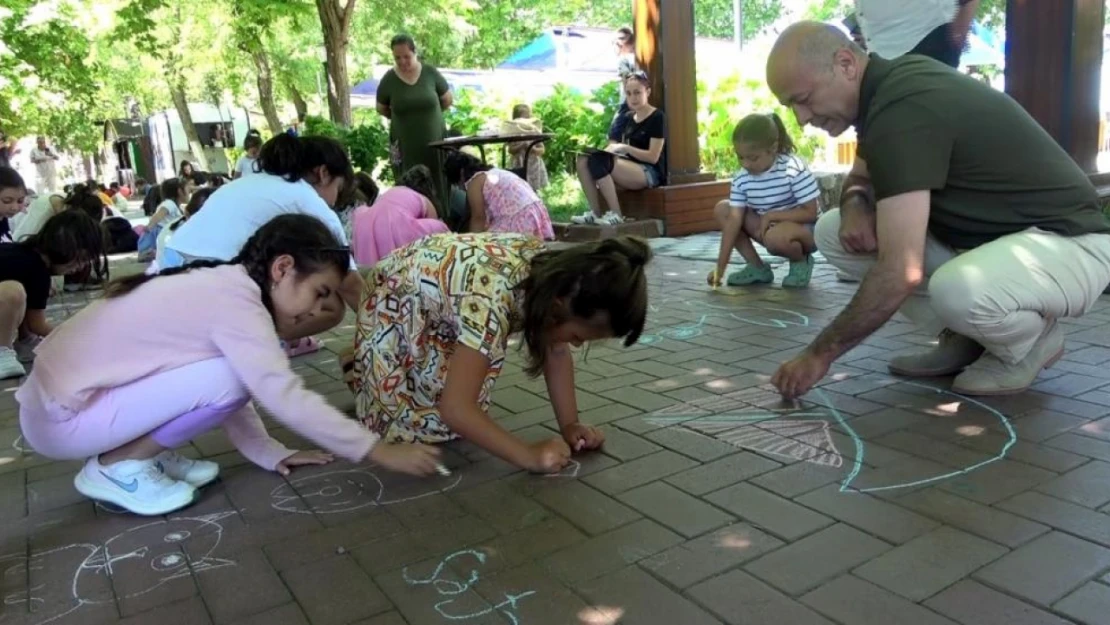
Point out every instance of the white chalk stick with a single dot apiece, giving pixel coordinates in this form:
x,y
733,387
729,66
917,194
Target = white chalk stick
x,y
442,470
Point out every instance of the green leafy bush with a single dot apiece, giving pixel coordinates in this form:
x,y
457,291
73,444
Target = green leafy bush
x,y
577,121
367,142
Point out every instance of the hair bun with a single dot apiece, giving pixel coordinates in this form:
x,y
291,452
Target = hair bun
x,y
635,249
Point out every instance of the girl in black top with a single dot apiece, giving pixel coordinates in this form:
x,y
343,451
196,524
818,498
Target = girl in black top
x,y
637,162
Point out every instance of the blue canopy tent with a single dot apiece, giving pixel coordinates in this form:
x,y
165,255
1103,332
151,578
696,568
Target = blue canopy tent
x,y
984,47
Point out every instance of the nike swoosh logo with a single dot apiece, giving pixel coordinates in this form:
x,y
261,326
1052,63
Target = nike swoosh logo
x,y
130,487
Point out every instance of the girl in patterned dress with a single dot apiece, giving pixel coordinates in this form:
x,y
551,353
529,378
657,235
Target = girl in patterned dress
x,y
433,332
499,200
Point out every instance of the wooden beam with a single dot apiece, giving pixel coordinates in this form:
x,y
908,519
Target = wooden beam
x,y
1054,66
665,49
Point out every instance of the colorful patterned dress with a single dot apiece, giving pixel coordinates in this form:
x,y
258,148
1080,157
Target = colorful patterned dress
x,y
421,301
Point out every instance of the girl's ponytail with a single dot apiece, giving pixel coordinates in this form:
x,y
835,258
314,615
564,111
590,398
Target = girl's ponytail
x,y
764,131
786,143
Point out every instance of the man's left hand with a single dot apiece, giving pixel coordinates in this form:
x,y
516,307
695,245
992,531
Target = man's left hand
x,y
797,376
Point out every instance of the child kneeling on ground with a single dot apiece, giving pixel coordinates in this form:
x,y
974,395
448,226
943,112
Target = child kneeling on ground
x,y
773,202
200,342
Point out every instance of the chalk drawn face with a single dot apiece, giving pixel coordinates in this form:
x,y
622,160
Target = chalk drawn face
x,y
816,432
333,492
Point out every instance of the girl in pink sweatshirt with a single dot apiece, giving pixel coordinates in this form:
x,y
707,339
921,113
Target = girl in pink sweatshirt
x,y
201,341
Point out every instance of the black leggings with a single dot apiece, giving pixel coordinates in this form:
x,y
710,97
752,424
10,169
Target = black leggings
x,y
600,164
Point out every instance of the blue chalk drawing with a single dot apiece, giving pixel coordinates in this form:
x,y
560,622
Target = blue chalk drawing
x,y
857,463
678,333
451,588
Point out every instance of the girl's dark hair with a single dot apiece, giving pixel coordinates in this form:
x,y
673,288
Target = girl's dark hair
x,y
419,179
520,109
403,40
764,130
10,178
184,164
294,158
311,244
601,277
253,140
193,207
639,76
461,166
362,190
71,236
626,34
171,188
82,200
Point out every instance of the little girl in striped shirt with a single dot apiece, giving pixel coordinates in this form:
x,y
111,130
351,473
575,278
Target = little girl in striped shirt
x,y
773,201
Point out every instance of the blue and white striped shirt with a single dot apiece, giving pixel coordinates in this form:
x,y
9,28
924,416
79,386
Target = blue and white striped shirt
x,y
787,184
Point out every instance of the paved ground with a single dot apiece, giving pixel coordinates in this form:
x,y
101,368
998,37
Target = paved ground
x,y
711,503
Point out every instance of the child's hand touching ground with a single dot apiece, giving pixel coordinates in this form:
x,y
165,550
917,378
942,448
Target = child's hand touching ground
x,y
549,456
303,458
411,458
582,437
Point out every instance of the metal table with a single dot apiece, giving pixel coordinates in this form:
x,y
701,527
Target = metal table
x,y
481,141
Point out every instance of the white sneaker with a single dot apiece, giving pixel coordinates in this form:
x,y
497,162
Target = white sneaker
x,y
9,364
135,485
196,473
25,347
610,219
585,219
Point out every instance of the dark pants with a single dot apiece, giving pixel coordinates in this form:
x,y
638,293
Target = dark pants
x,y
938,45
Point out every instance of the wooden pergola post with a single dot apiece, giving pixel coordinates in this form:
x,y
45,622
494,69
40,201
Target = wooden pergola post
x,y
1054,66
665,49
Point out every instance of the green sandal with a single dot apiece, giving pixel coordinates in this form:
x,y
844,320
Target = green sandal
x,y
750,275
799,274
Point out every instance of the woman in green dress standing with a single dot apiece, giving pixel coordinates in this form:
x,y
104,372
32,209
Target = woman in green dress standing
x,y
413,96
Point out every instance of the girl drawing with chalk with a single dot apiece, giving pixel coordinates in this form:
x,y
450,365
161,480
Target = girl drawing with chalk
x,y
200,343
773,201
433,333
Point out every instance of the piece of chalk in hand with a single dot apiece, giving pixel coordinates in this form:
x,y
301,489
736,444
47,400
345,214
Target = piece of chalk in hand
x,y
442,470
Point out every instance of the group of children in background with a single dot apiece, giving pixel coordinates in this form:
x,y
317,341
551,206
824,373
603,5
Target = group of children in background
x,y
273,259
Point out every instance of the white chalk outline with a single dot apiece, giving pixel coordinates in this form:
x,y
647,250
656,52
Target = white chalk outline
x,y
279,501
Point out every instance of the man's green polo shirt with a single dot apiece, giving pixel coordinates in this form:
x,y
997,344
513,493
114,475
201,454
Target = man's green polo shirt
x,y
991,168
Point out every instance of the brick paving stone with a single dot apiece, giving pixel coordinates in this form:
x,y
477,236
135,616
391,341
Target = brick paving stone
x,y
972,603
990,523
500,506
529,544
807,563
586,508
393,552
879,518
1089,485
721,473
929,563
997,481
250,587
769,512
1073,519
323,543
390,618
1082,445
642,599
516,400
605,384
1090,603
849,599
1046,569
693,444
1044,424
52,493
741,599
289,614
625,446
415,593
187,612
798,478
639,472
13,495
611,551
1069,384
550,603
675,509
639,398
931,449
335,591
693,561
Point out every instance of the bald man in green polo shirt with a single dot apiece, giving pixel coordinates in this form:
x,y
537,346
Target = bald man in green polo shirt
x,y
960,211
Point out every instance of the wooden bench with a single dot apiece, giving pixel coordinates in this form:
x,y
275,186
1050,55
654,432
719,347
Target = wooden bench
x,y
683,208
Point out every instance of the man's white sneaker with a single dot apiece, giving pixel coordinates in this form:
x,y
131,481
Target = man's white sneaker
x,y
10,366
585,219
135,485
610,219
196,473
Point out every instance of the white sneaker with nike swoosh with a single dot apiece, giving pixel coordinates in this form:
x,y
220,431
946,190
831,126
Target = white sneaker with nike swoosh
x,y
139,486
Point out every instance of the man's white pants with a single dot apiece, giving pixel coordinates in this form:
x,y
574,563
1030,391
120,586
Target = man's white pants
x,y
999,293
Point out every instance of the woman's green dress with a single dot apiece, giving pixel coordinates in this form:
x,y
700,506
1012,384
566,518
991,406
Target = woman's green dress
x,y
416,121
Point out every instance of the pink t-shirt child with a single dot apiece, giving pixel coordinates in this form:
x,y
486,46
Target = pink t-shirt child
x,y
399,217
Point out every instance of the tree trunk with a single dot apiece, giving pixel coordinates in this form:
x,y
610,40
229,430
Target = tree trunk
x,y
266,89
181,103
298,102
336,23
